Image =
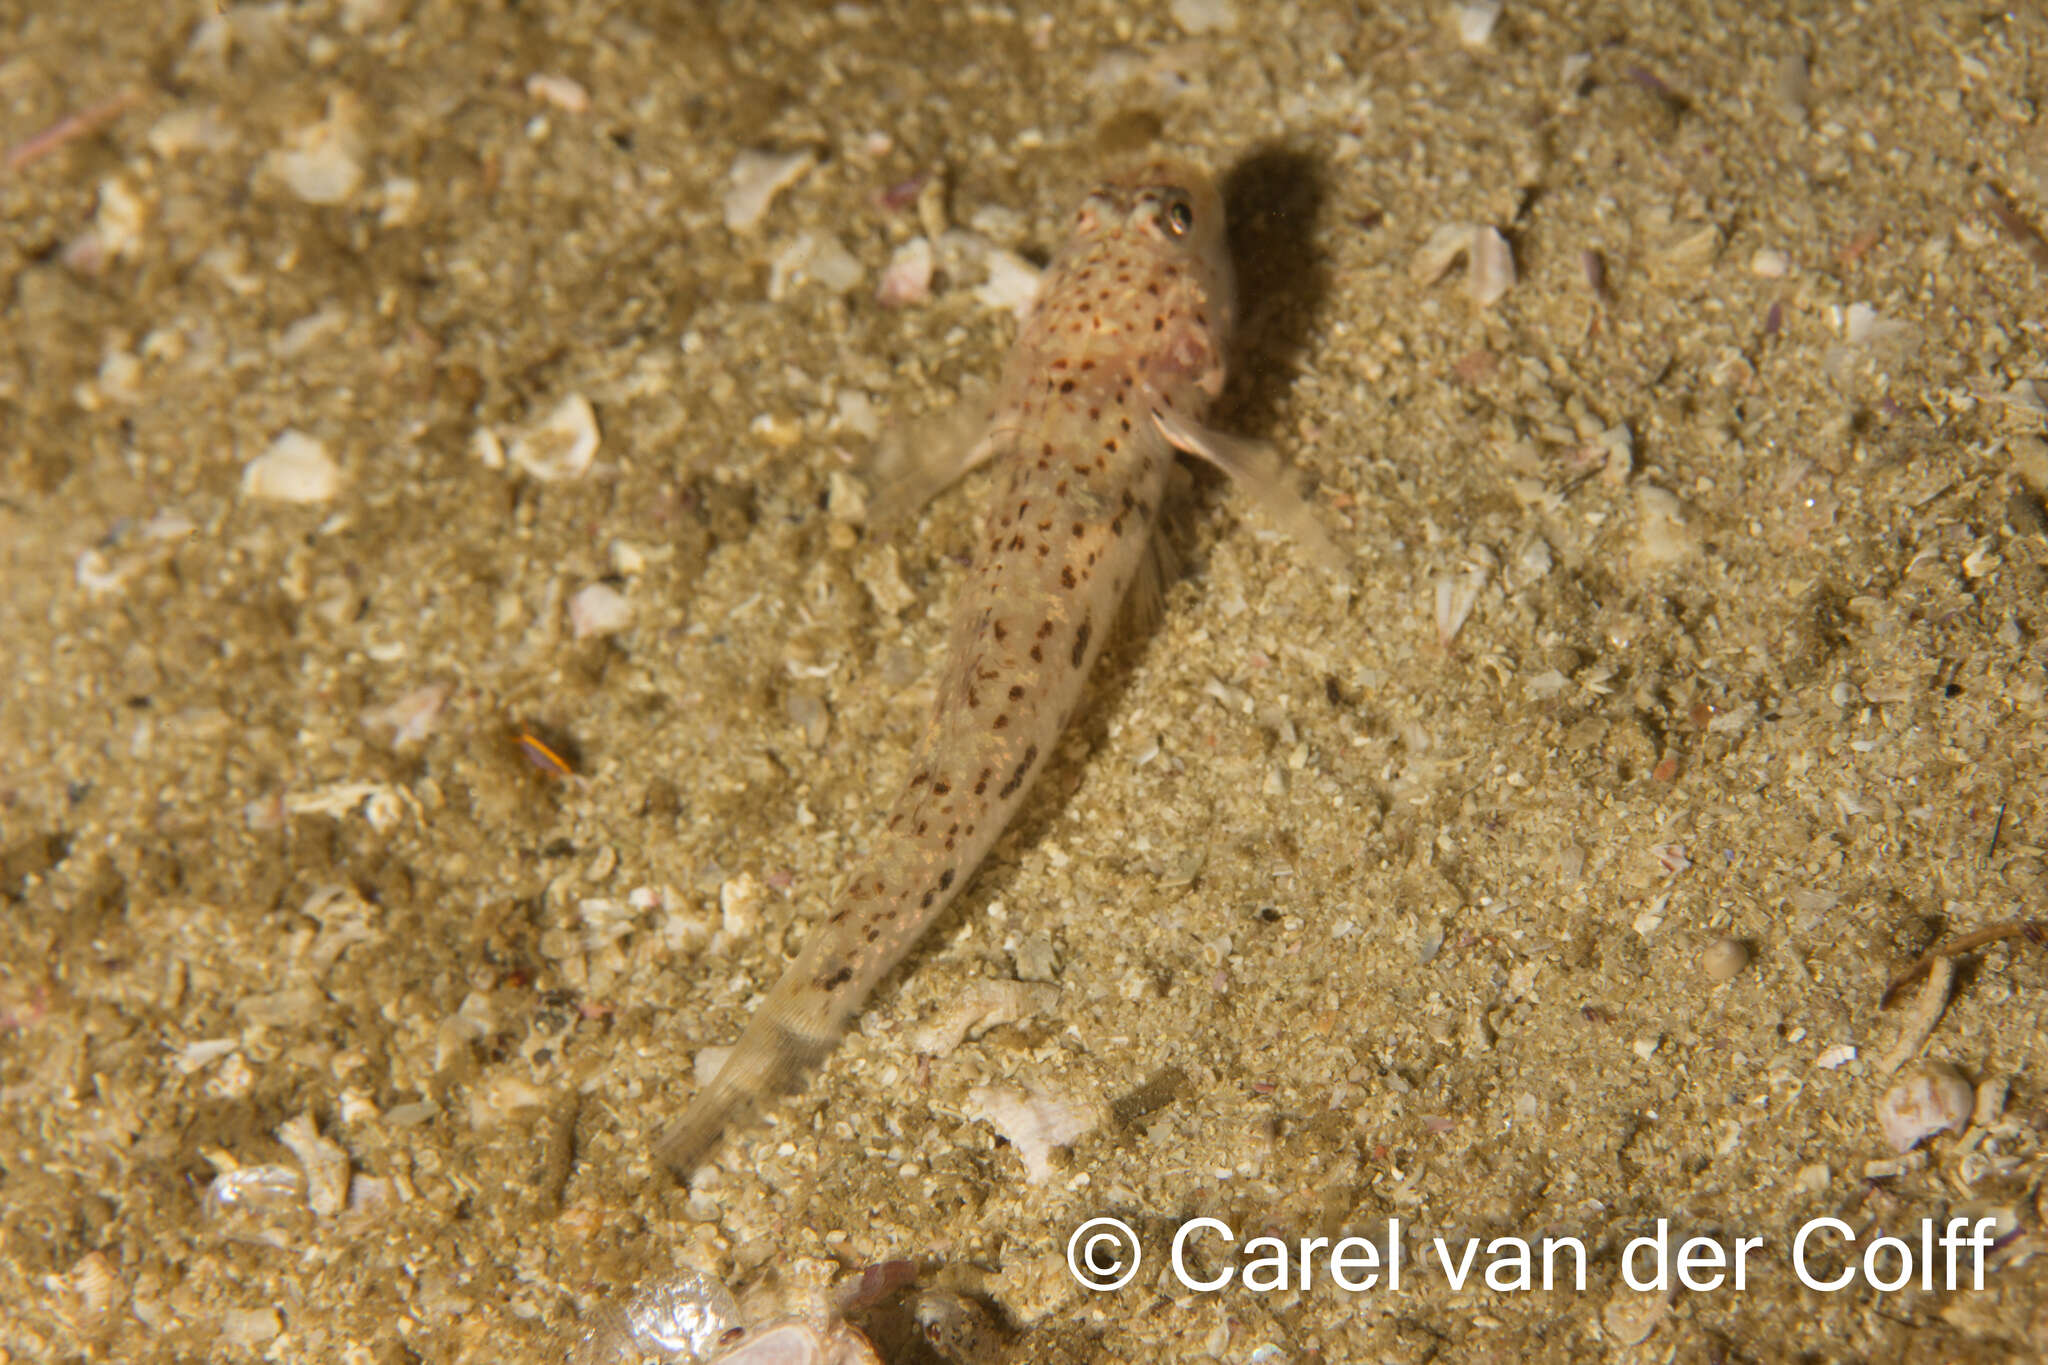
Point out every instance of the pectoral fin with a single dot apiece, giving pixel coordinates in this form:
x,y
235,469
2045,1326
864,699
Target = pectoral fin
x,y
921,461
1257,468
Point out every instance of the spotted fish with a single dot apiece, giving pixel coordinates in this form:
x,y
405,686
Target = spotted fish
x,y
1112,371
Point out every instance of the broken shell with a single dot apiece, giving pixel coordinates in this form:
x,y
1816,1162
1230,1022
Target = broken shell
x,y
1440,252
87,1296
296,468
1035,1120
271,1190
325,1163
1489,261
1927,1099
799,1343
1491,272
562,445
411,718
756,178
984,1006
683,1316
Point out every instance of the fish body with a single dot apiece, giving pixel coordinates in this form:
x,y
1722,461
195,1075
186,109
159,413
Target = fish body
x,y
1113,367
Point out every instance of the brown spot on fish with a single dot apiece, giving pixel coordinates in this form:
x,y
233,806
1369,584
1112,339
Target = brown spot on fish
x,y
1081,642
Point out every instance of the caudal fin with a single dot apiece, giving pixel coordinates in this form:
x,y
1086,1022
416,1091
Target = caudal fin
x,y
769,1060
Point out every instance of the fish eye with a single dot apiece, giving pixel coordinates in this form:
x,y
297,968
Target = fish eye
x,y
1180,217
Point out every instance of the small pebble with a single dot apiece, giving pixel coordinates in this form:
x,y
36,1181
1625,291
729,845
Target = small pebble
x,y
1663,536
565,94
739,906
249,1328
561,446
1204,16
907,279
322,163
1012,283
115,233
296,468
1630,1317
190,129
599,610
1476,19
814,257
487,448
1724,958
1990,1106
1927,1099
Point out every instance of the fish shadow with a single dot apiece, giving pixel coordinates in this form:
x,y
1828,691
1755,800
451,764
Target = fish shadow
x,y
1272,200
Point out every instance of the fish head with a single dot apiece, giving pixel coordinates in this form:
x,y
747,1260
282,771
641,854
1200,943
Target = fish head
x,y
1154,232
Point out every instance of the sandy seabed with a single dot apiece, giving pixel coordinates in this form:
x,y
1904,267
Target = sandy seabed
x,y
1544,887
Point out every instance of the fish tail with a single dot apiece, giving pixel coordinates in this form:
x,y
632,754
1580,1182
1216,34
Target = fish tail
x,y
782,1042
